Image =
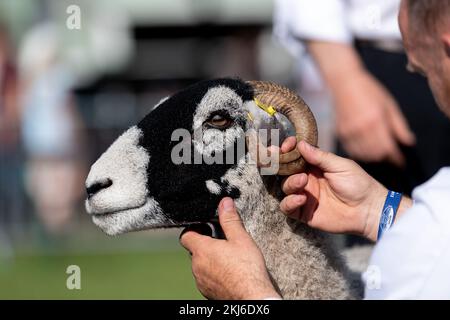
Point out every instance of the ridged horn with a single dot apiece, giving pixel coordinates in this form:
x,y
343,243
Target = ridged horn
x,y
298,113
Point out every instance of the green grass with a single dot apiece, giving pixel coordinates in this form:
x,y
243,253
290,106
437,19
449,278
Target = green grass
x,y
163,274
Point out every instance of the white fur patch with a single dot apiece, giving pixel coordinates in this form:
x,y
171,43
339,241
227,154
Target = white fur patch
x,y
213,187
209,140
122,206
125,164
217,98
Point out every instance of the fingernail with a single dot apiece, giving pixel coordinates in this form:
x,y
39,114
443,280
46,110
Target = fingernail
x,y
299,199
228,204
300,180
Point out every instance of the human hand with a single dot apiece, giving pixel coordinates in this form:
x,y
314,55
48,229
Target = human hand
x,y
336,195
228,269
368,120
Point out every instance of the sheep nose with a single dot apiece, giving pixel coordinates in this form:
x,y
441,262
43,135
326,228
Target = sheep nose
x,y
97,186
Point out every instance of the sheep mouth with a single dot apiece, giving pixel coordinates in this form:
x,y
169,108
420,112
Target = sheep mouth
x,y
124,220
107,220
111,213
95,210
115,212
137,218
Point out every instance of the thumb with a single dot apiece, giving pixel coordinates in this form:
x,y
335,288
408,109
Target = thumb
x,y
192,240
326,161
230,221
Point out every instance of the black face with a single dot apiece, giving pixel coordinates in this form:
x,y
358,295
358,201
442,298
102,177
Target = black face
x,y
180,189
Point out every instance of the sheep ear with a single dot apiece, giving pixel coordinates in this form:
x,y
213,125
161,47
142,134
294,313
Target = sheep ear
x,y
298,113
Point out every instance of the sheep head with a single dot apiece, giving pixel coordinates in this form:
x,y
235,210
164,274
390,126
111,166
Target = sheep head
x,y
170,169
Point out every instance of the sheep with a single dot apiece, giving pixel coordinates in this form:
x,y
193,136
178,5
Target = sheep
x,y
136,185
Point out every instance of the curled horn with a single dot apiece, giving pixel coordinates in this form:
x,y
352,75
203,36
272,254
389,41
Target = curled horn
x,y
298,113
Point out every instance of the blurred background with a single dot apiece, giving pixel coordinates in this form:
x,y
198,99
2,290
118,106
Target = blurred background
x,y
75,74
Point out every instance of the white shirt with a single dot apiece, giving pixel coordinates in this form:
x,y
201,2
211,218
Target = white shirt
x,y
335,21
412,260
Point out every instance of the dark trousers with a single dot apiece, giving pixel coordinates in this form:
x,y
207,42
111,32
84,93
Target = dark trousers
x,y
430,125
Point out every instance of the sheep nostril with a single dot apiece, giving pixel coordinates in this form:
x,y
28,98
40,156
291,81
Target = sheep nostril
x,y
96,187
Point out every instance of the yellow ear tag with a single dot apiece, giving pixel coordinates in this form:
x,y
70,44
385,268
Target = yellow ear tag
x,y
267,108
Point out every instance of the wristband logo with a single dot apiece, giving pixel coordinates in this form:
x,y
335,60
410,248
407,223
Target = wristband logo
x,y
389,211
229,147
387,218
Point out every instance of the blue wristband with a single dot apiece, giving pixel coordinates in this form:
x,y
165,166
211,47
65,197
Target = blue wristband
x,y
389,212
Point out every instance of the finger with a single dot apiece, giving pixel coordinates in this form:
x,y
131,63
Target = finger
x,y
400,127
380,146
295,183
292,203
230,221
371,145
192,240
392,153
396,156
326,161
288,144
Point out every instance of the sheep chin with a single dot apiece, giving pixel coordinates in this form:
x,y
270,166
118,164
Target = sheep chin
x,y
147,216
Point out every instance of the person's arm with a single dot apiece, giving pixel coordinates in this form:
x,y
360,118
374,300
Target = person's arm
x,y
374,216
335,196
368,120
10,119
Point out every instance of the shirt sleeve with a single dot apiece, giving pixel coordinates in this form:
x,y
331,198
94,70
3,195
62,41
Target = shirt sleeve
x,y
412,259
324,20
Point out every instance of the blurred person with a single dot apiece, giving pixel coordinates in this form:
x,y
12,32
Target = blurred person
x,y
9,119
10,165
51,130
353,50
412,258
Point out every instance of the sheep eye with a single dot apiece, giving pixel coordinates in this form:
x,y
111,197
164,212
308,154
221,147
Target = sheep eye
x,y
219,122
